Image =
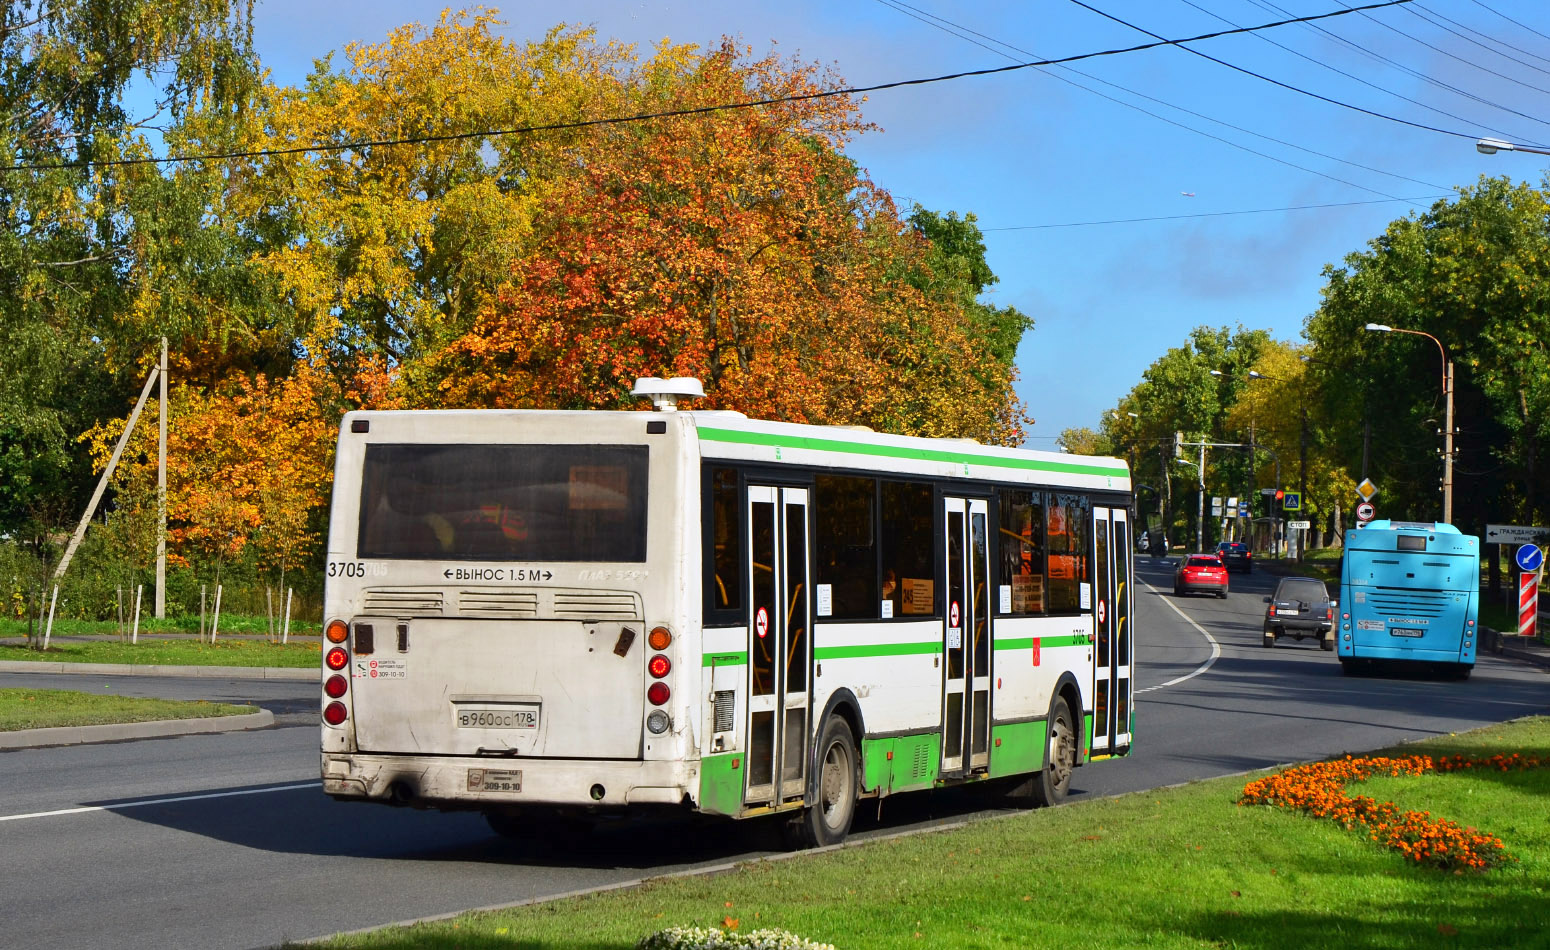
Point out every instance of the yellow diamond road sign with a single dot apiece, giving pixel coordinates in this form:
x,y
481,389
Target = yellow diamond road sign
x,y
1366,489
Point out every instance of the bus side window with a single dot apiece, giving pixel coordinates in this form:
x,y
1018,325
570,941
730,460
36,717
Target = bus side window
x,y
1022,549
908,531
1069,519
845,539
725,587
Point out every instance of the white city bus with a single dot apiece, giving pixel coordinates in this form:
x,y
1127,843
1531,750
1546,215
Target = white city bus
x,y
544,615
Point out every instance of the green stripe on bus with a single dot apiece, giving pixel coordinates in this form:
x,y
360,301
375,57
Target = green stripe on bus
x,y
877,649
726,659
1045,643
713,434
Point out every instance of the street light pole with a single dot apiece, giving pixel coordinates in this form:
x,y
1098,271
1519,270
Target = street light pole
x,y
1447,395
1492,146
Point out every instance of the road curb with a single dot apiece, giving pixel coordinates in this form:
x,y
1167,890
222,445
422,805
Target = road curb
x,y
118,732
293,674
1506,648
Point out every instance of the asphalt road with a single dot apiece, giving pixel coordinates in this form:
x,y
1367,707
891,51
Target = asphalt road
x,y
225,841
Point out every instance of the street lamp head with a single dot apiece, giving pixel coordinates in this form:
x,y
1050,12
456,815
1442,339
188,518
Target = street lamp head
x,y
1217,372
1380,328
1256,374
1492,146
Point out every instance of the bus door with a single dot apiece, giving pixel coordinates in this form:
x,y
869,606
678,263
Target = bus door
x,y
1112,631
779,645
966,640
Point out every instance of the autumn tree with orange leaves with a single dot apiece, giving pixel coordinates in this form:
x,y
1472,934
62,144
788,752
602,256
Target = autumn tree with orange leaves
x,y
738,246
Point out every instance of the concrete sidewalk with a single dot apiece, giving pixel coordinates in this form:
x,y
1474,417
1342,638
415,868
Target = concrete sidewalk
x,y
119,732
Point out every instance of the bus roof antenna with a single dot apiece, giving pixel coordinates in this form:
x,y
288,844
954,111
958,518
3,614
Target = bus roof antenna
x,y
665,393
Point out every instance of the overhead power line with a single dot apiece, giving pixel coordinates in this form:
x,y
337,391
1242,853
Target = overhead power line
x,y
699,110
1213,214
1437,49
1372,85
1484,36
1277,82
1421,75
965,33
1509,19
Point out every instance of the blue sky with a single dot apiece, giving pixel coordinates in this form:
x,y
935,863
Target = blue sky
x,y
1025,151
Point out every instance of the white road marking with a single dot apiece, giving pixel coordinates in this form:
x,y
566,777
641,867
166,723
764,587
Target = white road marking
x,y
157,801
1216,648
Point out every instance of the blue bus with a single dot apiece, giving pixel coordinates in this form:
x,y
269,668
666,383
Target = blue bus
x,y
1409,591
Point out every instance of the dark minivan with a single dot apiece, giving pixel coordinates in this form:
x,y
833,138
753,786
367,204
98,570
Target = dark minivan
x,y
1300,607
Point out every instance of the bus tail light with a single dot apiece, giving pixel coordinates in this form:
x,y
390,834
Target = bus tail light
x,y
338,631
660,639
335,714
659,666
335,686
658,694
336,659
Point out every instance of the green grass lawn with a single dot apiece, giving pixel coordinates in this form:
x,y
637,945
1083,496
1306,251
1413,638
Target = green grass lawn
x,y
42,708
156,652
1177,868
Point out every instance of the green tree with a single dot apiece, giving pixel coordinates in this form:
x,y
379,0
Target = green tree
x,y
1475,273
74,238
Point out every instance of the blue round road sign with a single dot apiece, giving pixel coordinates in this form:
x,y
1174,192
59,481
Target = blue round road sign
x,y
1529,557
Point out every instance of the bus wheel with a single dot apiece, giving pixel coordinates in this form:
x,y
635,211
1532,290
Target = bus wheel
x,y
1052,783
827,820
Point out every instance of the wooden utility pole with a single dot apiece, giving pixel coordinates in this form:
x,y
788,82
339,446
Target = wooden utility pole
x,y
161,491
107,473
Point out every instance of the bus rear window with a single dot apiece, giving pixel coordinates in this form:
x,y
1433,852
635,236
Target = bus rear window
x,y
504,502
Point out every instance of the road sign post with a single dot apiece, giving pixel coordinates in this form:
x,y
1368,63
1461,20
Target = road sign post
x,y
1528,603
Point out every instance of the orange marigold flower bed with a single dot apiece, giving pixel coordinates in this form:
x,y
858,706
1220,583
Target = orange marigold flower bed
x,y
1319,789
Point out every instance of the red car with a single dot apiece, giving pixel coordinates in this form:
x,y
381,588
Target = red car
x,y
1200,572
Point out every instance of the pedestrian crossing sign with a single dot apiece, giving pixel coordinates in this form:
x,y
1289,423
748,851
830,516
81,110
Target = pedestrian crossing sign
x,y
1291,501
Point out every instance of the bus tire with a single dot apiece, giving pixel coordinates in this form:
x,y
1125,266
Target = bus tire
x,y
826,820
1052,782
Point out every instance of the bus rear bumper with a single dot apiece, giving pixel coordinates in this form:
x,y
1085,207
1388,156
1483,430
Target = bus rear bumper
x,y
1367,652
456,782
